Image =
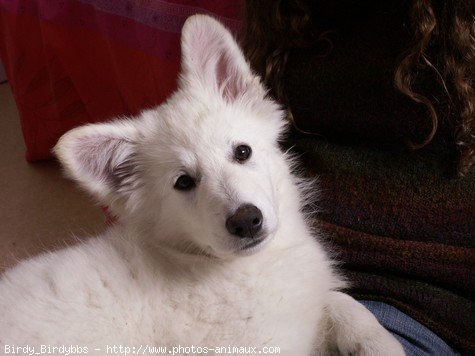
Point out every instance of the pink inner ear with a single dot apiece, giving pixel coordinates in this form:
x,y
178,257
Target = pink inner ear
x,y
228,80
97,156
216,59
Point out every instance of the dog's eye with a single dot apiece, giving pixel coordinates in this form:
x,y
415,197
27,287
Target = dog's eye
x,y
242,153
185,182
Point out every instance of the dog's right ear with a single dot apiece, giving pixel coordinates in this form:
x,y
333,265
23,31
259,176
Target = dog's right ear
x,y
100,157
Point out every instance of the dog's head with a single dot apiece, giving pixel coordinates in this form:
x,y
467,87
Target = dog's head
x,y
202,169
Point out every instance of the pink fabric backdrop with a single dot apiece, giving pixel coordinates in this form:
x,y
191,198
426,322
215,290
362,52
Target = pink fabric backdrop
x,y
78,61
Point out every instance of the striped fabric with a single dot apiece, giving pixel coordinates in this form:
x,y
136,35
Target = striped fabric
x,y
80,61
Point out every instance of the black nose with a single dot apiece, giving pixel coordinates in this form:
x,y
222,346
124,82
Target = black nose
x,y
245,222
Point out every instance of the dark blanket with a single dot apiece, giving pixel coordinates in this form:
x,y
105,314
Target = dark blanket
x,y
405,232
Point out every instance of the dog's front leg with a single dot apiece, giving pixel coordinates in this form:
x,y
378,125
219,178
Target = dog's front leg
x,y
353,330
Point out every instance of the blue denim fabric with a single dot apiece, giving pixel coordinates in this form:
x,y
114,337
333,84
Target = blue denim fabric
x,y
416,339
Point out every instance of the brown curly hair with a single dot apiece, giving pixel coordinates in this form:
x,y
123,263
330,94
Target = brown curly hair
x,y
444,45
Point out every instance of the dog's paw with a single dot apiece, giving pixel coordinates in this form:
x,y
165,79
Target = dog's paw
x,y
355,330
374,342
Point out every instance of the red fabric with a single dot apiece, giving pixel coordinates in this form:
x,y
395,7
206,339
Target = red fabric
x,y
75,62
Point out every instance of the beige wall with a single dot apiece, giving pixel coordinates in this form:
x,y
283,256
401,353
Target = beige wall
x,y
39,208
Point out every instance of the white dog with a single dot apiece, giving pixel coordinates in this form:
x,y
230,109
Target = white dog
x,y
210,248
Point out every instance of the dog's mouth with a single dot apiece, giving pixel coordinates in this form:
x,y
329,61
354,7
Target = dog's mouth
x,y
252,244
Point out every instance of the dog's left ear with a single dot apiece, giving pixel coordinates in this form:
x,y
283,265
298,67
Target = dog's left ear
x,y
211,58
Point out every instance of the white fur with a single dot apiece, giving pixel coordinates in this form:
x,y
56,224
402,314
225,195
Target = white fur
x,y
168,273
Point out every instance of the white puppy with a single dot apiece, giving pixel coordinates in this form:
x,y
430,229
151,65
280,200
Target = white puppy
x,y
210,247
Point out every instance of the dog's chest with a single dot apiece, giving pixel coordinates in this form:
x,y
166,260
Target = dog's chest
x,y
261,304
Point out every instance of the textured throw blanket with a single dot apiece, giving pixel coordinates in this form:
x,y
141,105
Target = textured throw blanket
x,y
405,232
